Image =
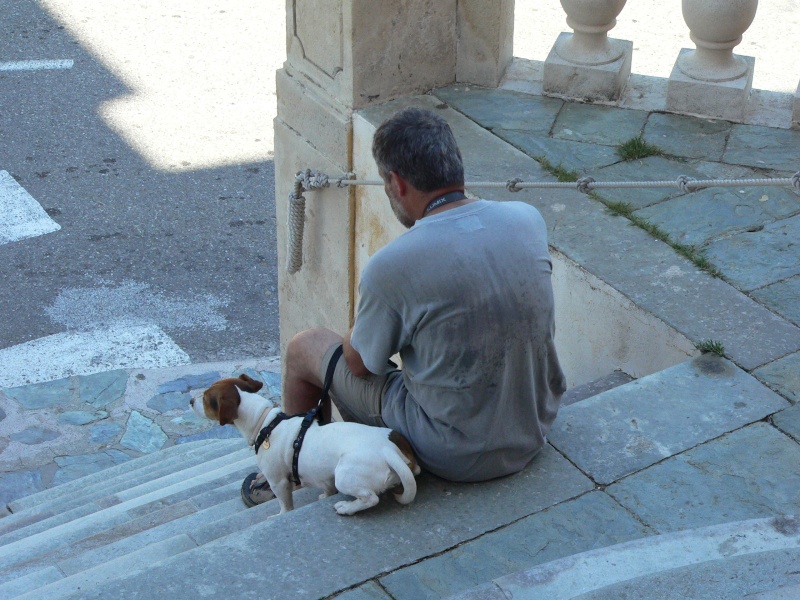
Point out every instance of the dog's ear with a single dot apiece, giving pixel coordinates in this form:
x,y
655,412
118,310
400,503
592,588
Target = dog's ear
x,y
248,384
229,407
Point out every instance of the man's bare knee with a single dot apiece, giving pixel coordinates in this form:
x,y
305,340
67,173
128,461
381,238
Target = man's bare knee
x,y
305,352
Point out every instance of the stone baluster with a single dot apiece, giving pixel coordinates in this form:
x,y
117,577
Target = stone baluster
x,y
711,80
587,63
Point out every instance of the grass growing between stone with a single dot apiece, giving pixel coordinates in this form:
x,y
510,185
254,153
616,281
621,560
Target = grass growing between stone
x,y
711,347
562,174
624,209
636,148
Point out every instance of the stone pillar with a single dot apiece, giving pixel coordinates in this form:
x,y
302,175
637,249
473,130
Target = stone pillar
x,y
587,63
796,109
344,55
711,80
485,41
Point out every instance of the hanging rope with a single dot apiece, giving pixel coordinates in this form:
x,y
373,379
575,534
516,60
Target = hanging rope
x,y
309,180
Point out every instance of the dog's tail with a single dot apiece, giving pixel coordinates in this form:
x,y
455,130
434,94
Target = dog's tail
x,y
397,463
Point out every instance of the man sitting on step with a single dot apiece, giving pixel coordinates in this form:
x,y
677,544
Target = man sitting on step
x,y
465,297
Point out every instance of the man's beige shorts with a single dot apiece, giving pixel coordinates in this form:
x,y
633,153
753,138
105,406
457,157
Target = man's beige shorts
x,y
358,399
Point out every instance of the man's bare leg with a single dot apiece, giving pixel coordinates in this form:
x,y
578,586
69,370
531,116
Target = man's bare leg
x,y
303,386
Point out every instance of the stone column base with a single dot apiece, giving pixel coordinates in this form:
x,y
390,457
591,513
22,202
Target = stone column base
x,y
796,109
724,99
595,82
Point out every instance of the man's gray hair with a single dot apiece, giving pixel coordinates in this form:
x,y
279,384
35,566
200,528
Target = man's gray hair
x,y
418,145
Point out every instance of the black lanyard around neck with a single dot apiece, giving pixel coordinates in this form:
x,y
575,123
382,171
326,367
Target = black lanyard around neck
x,y
442,200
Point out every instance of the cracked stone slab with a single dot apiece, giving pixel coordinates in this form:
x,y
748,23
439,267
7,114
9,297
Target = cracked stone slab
x,y
597,124
573,156
764,147
746,474
503,109
782,297
142,434
688,137
169,401
591,521
189,382
652,168
81,417
788,421
34,435
101,389
698,217
755,259
783,375
43,395
639,424
104,434
368,591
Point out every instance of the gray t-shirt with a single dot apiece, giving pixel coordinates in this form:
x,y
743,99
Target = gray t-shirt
x,y
465,297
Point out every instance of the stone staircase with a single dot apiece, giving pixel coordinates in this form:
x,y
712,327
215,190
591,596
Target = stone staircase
x,y
171,524
70,538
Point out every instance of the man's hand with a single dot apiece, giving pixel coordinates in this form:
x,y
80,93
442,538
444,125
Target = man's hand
x,y
353,358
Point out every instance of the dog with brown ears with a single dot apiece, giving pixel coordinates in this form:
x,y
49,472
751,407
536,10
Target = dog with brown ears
x,y
357,460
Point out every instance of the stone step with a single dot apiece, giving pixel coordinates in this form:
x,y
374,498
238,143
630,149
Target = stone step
x,y
131,564
81,572
146,524
593,388
355,549
65,534
54,501
118,477
95,499
755,558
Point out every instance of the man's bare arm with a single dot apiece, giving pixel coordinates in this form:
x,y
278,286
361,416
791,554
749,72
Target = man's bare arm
x,y
353,358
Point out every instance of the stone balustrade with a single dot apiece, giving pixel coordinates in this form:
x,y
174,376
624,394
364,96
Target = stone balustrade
x,y
708,80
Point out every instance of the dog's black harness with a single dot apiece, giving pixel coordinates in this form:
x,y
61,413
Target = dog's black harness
x,y
308,418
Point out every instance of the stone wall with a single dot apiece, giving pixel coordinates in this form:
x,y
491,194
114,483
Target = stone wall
x,y
344,55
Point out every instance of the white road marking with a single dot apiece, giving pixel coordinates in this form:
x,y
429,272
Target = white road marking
x,y
21,216
36,65
83,353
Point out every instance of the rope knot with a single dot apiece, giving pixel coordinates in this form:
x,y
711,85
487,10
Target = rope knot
x,y
312,180
512,185
686,184
343,178
585,184
796,180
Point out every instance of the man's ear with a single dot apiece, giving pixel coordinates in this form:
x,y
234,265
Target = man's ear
x,y
248,384
398,184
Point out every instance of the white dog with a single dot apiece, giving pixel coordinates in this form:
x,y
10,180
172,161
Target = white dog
x,y
354,459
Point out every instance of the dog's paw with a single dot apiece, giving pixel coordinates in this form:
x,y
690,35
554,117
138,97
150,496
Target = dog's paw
x,y
344,507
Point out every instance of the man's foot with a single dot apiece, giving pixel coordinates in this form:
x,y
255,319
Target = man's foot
x,y
255,490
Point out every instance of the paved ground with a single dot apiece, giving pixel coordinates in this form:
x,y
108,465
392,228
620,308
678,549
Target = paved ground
x,y
141,149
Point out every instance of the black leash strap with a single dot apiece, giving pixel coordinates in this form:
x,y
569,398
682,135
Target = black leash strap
x,y
266,431
308,419
326,385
